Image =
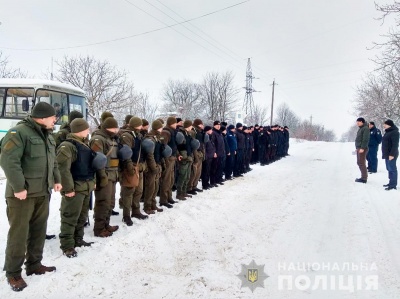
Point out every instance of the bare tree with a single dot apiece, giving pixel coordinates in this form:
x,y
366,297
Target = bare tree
x,y
146,109
219,96
286,117
378,98
260,116
6,71
181,96
106,87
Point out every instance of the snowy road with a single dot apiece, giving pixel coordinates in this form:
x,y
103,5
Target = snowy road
x,y
304,209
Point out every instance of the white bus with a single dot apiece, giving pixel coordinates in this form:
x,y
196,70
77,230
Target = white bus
x,y
18,96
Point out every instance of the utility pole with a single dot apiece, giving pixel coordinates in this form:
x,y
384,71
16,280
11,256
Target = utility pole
x,y
272,102
248,103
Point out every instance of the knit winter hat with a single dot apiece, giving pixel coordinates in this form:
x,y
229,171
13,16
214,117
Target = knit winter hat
x,y
389,122
160,120
361,119
135,122
187,123
223,128
238,125
104,115
217,122
197,122
145,122
78,125
230,127
110,123
74,114
128,118
207,128
171,120
43,110
156,125
178,119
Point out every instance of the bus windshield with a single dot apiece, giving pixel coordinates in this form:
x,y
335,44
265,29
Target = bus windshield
x,y
60,102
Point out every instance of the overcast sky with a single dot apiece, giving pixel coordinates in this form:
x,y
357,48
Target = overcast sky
x,y
315,49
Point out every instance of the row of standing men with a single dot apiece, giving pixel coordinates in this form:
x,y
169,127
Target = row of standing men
x,y
144,162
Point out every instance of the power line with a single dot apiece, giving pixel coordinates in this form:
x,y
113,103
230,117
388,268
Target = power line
x,y
126,37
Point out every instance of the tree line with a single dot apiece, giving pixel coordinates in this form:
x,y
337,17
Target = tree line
x,y
378,96
214,97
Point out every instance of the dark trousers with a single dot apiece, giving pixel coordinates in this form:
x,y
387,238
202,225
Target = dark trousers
x,y
229,164
361,162
205,172
74,214
220,169
372,158
214,171
392,171
239,166
27,233
262,154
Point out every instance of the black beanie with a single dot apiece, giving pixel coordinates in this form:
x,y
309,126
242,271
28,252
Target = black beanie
x,y
217,122
230,127
128,118
105,115
43,110
178,119
238,125
74,114
389,122
145,122
207,128
361,119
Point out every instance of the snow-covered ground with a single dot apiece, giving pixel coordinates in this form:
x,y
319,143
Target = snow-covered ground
x,y
304,209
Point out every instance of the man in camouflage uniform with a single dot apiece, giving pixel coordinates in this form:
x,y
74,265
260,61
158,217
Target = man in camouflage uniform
x,y
75,159
29,162
198,157
185,160
65,128
168,174
152,145
131,195
105,140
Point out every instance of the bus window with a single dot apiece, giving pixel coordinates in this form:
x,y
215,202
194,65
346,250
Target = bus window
x,y
77,103
58,100
2,94
16,102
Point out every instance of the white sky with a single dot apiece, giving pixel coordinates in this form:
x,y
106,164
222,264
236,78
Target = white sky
x,y
315,49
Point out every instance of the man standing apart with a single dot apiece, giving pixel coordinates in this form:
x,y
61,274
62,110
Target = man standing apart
x,y
28,159
390,152
361,143
375,139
